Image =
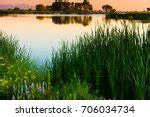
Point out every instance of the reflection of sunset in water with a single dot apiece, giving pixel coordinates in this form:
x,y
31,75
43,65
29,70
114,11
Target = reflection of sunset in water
x,y
42,32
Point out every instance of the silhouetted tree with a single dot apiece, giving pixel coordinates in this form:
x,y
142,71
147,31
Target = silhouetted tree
x,y
56,6
30,9
90,7
16,10
78,6
40,7
71,6
107,8
113,10
48,8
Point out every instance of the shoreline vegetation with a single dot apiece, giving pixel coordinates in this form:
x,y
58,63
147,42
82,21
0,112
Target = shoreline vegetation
x,y
129,15
65,7
112,15
57,7
11,11
106,64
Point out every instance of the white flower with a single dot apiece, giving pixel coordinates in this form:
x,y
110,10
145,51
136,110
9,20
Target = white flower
x,y
27,92
13,97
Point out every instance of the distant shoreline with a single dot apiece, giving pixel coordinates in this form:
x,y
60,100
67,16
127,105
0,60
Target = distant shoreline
x,y
115,15
129,15
7,12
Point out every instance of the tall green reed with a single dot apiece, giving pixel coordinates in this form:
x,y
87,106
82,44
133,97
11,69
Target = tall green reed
x,y
114,62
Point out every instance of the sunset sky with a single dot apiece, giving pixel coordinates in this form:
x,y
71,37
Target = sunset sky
x,y
131,5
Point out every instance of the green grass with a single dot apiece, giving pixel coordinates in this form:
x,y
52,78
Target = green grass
x,y
106,64
17,71
22,78
114,63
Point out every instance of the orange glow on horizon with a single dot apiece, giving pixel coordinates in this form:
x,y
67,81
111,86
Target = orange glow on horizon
x,y
124,5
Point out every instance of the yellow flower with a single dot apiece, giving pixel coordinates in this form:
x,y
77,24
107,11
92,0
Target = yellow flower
x,y
1,58
2,64
29,71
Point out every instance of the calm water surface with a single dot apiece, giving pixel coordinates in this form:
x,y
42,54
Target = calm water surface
x,y
41,33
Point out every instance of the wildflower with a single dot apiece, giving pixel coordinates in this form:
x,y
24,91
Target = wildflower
x,y
32,85
26,73
27,92
10,78
13,97
41,89
11,66
29,71
2,64
1,58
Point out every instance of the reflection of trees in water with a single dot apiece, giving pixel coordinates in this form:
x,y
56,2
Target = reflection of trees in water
x,y
106,21
42,17
84,20
145,21
148,31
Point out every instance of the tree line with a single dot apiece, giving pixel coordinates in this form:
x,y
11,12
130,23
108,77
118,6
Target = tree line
x,y
62,7
65,6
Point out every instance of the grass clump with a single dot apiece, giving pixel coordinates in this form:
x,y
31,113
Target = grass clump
x,y
113,62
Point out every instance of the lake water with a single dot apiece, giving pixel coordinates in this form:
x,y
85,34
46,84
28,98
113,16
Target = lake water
x,y
41,33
